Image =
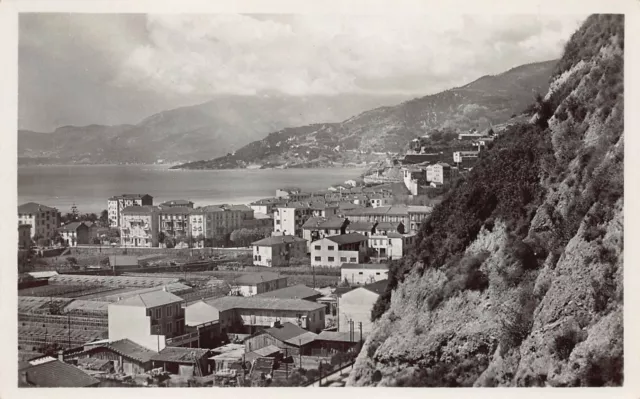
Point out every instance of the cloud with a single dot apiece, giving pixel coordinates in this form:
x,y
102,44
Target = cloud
x,y
333,54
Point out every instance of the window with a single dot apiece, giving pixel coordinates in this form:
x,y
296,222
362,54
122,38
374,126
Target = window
x,y
331,259
169,311
343,259
378,273
352,260
158,314
169,328
331,248
317,247
318,258
360,273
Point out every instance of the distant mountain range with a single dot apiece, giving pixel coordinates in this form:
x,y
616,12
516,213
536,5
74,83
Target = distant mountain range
x,y
487,101
190,133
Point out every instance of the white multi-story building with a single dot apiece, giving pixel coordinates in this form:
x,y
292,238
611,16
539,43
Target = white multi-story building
x,y
363,273
139,226
213,221
44,220
335,250
278,251
116,204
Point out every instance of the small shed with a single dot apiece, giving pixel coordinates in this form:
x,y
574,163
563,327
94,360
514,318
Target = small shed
x,y
290,338
186,362
123,262
125,356
227,357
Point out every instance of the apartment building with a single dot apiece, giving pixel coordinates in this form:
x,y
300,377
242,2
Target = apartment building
x,y
335,250
411,216
462,156
44,220
363,273
290,218
266,206
213,221
139,227
441,173
116,204
278,251
148,319
173,221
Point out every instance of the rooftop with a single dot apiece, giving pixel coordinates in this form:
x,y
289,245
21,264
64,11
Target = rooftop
x,y
182,210
150,299
378,287
73,226
255,278
33,207
57,374
180,355
177,203
129,196
277,240
299,291
286,332
130,349
335,336
347,238
262,303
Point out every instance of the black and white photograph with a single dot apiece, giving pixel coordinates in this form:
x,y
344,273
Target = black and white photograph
x,y
292,199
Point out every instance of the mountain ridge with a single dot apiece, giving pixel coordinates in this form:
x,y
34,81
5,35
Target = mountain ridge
x,y
478,104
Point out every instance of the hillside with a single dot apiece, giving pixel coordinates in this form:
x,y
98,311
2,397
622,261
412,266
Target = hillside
x,y
488,100
189,133
517,278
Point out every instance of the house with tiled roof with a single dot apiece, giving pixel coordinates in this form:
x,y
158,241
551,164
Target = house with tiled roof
x,y
53,373
177,203
75,233
335,250
277,251
316,228
148,319
289,337
257,283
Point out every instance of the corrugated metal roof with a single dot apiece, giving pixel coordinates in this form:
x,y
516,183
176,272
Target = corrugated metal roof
x,y
238,302
255,278
349,238
299,291
180,355
150,299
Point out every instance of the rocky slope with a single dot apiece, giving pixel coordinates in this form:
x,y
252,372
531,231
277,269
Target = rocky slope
x,y
189,133
486,101
518,276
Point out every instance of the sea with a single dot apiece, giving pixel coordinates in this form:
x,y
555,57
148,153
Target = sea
x,y
89,186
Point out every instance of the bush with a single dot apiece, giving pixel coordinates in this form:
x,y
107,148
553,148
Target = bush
x,y
565,341
604,370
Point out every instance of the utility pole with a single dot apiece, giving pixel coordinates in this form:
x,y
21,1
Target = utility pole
x,y
286,365
300,352
313,268
360,333
69,328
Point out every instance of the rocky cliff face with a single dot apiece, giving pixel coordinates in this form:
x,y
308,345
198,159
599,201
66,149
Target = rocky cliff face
x,y
518,277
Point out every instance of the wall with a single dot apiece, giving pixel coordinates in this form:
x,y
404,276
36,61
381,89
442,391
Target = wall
x,y
356,305
199,313
131,322
320,257
265,318
106,250
262,256
273,285
363,276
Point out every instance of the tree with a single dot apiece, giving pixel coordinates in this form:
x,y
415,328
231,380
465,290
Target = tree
x,y
161,237
104,218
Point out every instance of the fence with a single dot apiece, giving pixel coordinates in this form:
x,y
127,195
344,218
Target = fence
x,y
105,250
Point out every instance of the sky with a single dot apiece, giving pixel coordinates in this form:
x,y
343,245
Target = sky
x,y
120,68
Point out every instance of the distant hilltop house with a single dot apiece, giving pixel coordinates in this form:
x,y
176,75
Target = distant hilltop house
x,y
116,204
44,220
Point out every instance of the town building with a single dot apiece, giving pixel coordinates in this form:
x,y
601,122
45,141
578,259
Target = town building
x,y
147,319
173,223
335,250
116,204
266,206
177,203
292,194
215,221
139,226
257,283
185,362
121,263
291,339
441,173
75,233
316,228
298,291
246,315
462,156
126,356
355,305
378,200
363,273
411,216
24,236
290,218
44,220
277,251
390,246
